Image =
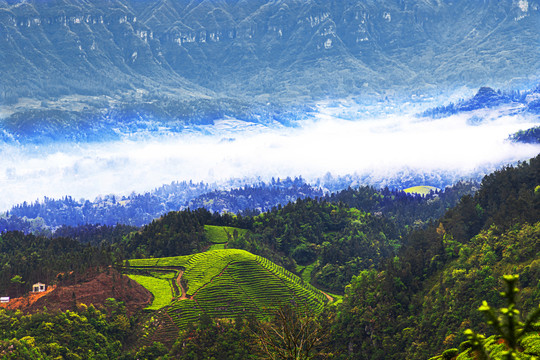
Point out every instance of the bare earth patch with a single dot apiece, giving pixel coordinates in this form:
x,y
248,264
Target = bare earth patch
x,y
94,287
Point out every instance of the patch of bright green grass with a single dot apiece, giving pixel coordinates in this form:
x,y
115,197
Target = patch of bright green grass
x,y
221,234
338,299
306,274
141,262
164,275
178,261
160,288
420,190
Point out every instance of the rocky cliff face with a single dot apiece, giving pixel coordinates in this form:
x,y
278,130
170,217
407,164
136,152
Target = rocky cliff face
x,y
75,55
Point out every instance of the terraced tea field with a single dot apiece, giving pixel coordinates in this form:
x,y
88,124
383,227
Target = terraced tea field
x,y
224,283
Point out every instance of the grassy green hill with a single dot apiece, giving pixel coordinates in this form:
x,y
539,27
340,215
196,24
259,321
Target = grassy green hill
x,y
221,284
420,190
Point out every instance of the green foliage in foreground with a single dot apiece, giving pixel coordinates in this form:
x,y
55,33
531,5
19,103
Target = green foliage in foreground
x,y
506,322
515,338
381,312
87,333
210,339
288,333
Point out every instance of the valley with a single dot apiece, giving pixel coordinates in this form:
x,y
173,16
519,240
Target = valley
x,y
269,179
330,148
377,262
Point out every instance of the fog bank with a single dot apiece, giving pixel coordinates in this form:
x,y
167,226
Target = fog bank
x,y
329,142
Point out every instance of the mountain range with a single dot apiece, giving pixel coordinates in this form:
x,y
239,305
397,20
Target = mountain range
x,y
80,63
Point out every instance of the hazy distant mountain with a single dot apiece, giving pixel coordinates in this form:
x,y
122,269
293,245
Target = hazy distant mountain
x,y
528,136
514,102
64,59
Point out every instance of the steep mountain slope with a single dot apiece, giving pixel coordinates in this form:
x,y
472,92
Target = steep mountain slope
x,y
427,296
64,59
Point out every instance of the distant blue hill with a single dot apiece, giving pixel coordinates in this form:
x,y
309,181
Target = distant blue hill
x,y
529,136
140,209
527,101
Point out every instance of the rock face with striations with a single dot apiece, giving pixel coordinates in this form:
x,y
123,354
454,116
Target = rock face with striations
x,y
77,56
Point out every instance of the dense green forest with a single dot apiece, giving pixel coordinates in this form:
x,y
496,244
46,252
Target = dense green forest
x,y
85,333
413,281
426,296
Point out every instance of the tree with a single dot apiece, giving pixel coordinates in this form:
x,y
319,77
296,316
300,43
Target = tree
x,y
17,279
17,283
292,335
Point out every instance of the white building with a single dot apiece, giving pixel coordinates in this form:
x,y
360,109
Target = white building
x,y
39,287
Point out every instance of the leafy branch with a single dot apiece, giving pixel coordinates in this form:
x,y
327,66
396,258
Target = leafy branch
x,y
506,322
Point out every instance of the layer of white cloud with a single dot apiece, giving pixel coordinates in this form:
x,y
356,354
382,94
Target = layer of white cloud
x,y
327,143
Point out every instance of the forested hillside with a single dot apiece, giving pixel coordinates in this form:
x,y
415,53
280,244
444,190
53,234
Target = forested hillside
x,y
334,237
140,209
406,209
412,284
529,136
426,296
44,217
27,259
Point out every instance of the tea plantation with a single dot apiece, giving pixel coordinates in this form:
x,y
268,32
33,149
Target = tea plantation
x,y
222,284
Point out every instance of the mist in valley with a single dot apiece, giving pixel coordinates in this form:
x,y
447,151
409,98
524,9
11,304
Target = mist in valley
x,y
331,141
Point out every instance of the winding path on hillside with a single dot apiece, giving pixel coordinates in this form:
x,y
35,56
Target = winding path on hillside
x,y
183,296
331,299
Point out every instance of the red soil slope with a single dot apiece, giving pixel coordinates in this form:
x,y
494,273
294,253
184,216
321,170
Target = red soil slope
x,y
92,288
26,301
